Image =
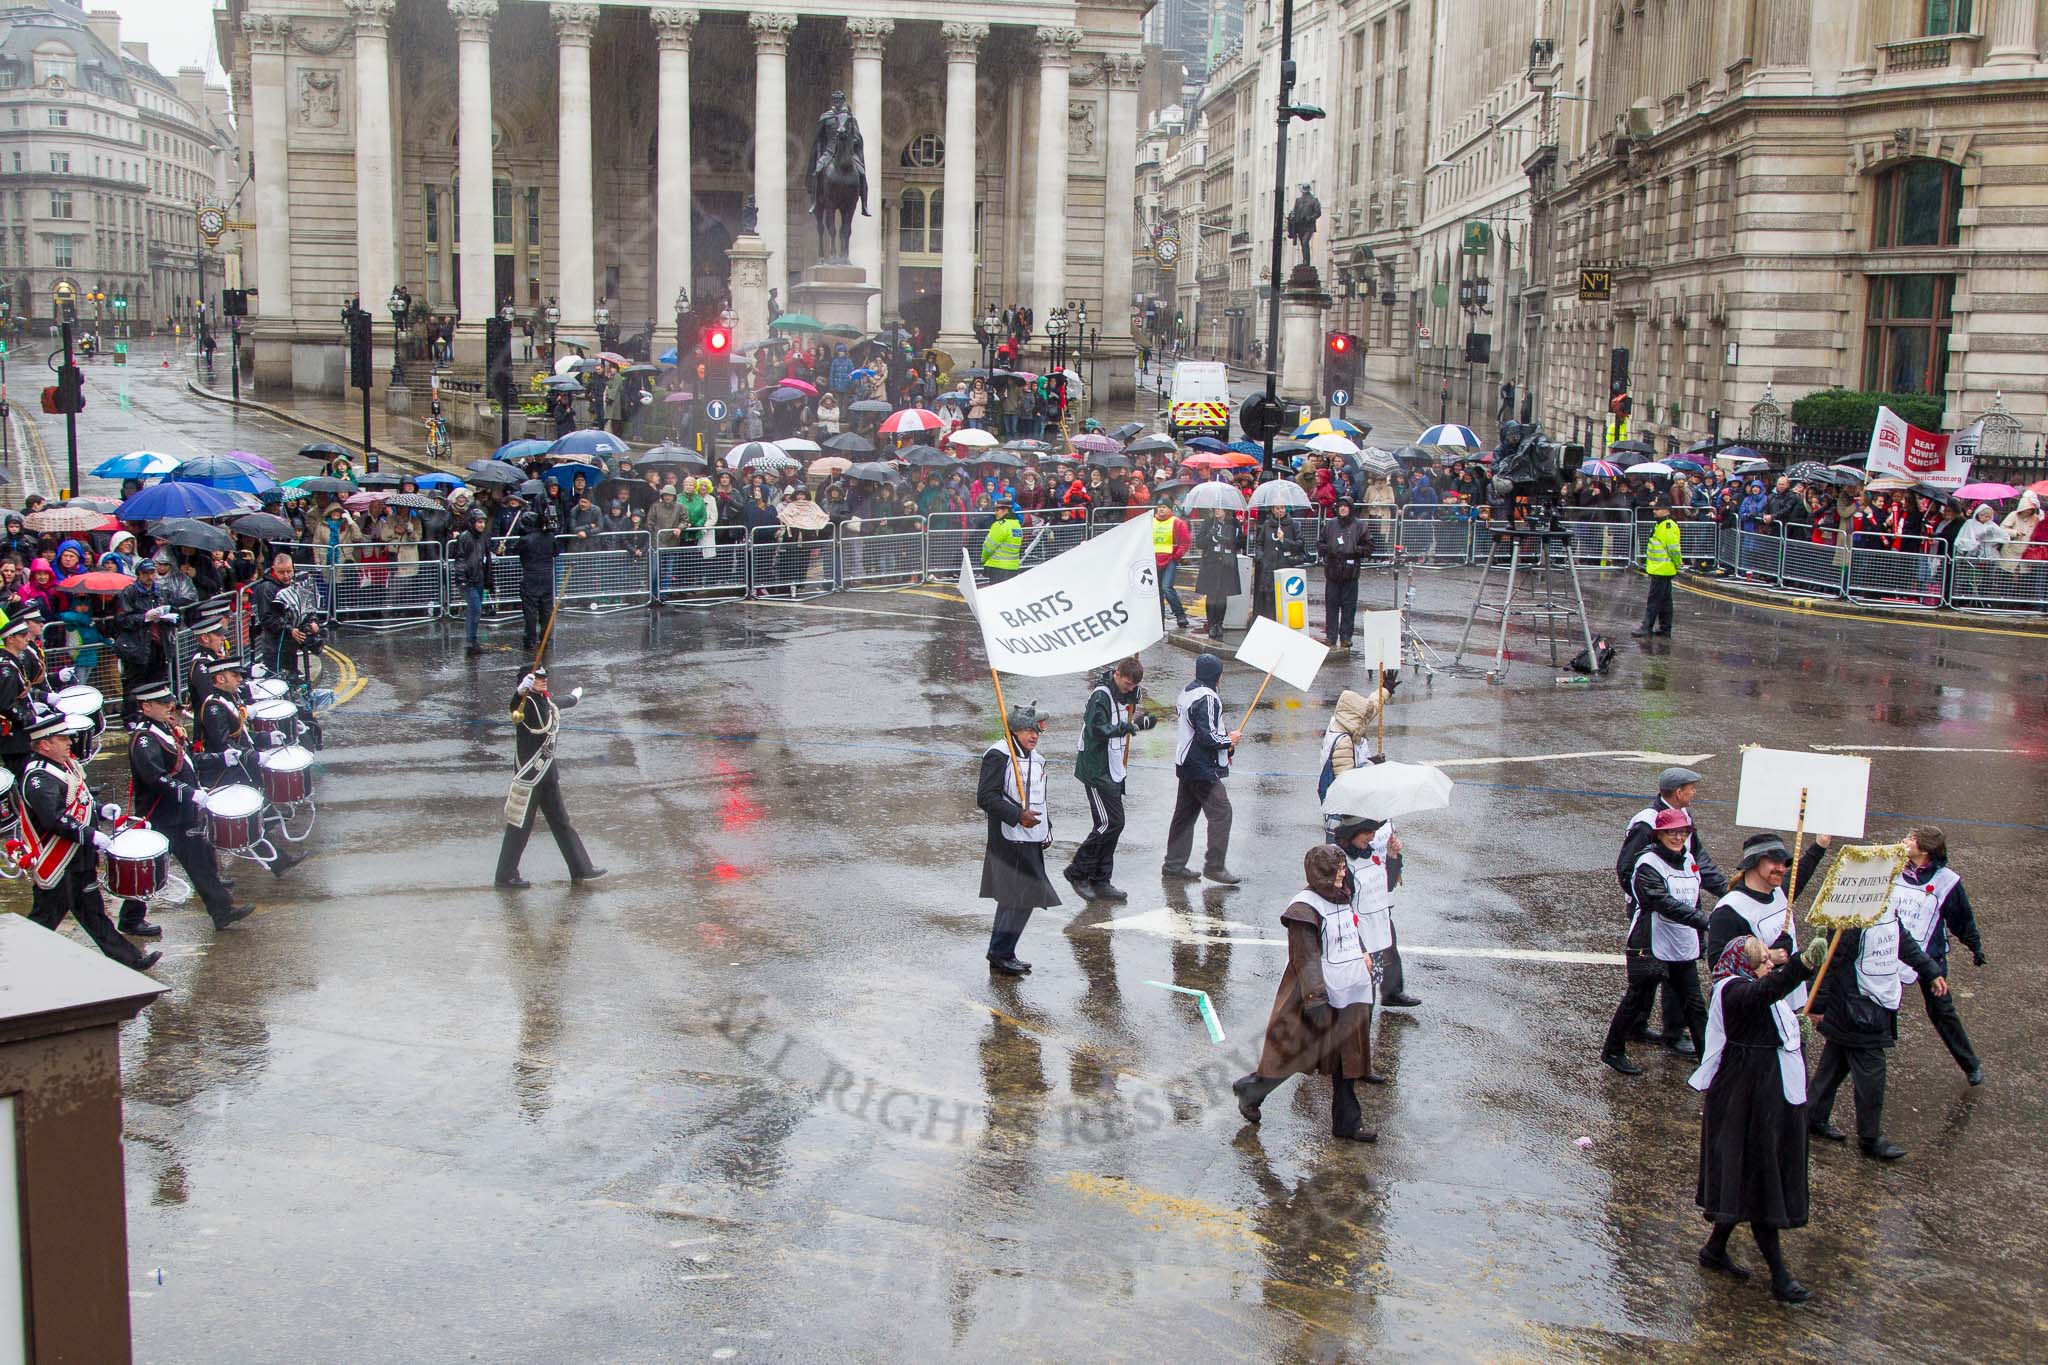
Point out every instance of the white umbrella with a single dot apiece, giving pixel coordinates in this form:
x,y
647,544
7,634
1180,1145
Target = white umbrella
x,y
1377,460
1333,443
797,445
1208,497
1381,791
1279,493
1657,467
970,436
748,452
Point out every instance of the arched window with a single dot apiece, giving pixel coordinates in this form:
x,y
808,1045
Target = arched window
x,y
55,60
925,152
920,221
1917,204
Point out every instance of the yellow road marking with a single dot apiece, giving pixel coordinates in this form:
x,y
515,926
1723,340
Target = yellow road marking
x,y
1199,1217
1796,608
935,596
350,681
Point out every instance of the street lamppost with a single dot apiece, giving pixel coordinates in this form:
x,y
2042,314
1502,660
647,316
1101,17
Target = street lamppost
x,y
1475,296
1056,336
398,305
554,317
682,321
603,317
991,322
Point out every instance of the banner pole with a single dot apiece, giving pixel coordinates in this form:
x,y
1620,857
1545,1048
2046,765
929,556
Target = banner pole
x,y
1813,989
1009,740
1255,703
1798,838
1384,699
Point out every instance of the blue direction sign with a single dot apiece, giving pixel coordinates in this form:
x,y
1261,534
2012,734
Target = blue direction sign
x,y
715,409
1341,398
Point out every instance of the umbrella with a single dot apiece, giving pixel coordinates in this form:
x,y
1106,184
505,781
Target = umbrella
x,y
323,451
1736,454
1655,469
796,322
99,582
564,475
177,500
496,471
563,383
1377,460
910,419
772,461
1600,469
1846,474
387,482
667,357
869,405
369,500
2039,489
193,535
1028,447
446,482
862,373
1687,466
771,344
803,386
1940,495
1890,485
1381,791
1415,454
1001,459
1635,446
663,455
1986,492
1625,457
873,473
749,451
1170,486
786,395
416,502
825,466
1290,446
1208,443
1329,426
1279,493
972,438
251,458
1101,459
1207,460
1450,434
923,457
103,506
1247,448
262,526
678,396
1090,443
532,488
1812,471
638,495
841,330
137,464
1753,467
1334,444
850,443
797,445
802,514
1150,445
589,442
1205,497
218,471
642,368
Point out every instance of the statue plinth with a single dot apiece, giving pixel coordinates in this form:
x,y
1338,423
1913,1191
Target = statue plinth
x,y
749,284
1302,304
834,294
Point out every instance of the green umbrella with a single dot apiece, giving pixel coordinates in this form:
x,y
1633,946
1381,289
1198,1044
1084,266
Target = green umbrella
x,y
840,329
796,322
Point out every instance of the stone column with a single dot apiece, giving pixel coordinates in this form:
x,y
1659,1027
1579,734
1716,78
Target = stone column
x,y
1121,72
268,35
956,274
869,37
672,32
577,298
2015,34
376,242
1049,230
771,140
473,20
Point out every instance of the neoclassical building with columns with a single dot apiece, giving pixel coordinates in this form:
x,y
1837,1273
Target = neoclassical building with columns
x,y
606,152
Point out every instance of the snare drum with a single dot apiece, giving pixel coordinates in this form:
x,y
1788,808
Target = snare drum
x,y
269,689
287,775
85,741
84,701
10,813
138,864
273,722
234,817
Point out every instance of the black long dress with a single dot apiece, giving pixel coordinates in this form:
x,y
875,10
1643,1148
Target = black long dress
x,y
1752,1140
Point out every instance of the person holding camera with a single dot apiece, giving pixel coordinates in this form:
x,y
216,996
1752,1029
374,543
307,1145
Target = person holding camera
x,y
1107,724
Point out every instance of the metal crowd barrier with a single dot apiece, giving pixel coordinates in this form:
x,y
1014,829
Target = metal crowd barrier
x,y
606,570
706,570
388,594
885,552
1998,585
1807,567
1433,536
1913,577
947,534
1602,537
785,563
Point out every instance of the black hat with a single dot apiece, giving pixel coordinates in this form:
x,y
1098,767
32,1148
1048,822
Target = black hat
x,y
146,562
1353,826
1758,847
210,621
31,610
227,665
156,691
17,626
47,725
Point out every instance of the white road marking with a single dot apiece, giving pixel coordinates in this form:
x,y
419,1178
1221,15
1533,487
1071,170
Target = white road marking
x,y
1187,928
1908,749
854,611
1622,755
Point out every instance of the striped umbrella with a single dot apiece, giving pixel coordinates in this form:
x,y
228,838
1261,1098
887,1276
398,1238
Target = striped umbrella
x,y
747,452
1449,434
1328,426
910,419
1600,469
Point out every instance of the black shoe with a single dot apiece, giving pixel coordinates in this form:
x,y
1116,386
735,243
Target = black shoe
x,y
590,876
1111,893
1827,1130
1374,1078
1082,886
142,928
232,914
1222,876
1008,966
1180,872
1646,1035
1399,1000
1789,1290
146,961
1711,1259
1640,632
1665,633
472,649
1620,1062
1884,1149
1975,1075
285,862
1359,1135
1683,1047
1248,1110
515,882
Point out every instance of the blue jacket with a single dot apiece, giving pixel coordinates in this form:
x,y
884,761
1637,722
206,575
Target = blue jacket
x,y
1207,758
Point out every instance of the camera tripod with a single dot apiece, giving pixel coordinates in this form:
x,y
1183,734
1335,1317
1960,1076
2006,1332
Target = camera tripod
x,y
1537,557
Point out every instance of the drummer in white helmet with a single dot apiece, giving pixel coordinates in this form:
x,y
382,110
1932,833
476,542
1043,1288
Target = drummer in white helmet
x,y
62,844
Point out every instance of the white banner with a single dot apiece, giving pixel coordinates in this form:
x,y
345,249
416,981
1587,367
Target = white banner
x,y
1089,607
1778,784
1904,451
1288,655
1378,641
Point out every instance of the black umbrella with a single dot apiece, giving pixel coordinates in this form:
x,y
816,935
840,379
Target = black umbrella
x,y
324,451
1027,447
1172,486
925,457
1002,459
377,481
1640,447
532,488
1626,458
1417,455
1101,459
976,373
320,483
1150,445
1810,471
1754,467
665,455
873,473
1126,430
638,495
1291,446
852,443
498,472
262,526
871,406
1940,495
192,535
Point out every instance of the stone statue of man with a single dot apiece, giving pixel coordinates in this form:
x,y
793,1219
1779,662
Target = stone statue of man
x,y
831,124
1302,219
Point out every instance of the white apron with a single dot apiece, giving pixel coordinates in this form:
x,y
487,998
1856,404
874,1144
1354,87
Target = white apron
x,y
1371,902
1877,962
1919,910
1184,729
1671,941
1791,1064
1347,966
1032,767
1119,749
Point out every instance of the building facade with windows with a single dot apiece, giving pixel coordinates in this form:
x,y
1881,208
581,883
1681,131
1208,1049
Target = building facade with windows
x,y
1798,194
604,153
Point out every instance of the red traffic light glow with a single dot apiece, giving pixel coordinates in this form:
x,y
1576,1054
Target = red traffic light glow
x,y
1340,343
717,340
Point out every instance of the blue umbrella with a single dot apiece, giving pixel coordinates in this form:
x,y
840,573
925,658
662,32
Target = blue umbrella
x,y
514,451
589,441
1247,448
177,498
1208,443
1450,434
563,475
667,357
138,464
438,480
221,471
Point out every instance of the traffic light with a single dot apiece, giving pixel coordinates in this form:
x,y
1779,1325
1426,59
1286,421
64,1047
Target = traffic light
x,y
234,303
715,344
1340,367
67,395
360,370
498,357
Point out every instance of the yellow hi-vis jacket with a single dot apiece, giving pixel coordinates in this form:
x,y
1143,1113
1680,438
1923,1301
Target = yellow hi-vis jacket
x,y
1004,547
1660,557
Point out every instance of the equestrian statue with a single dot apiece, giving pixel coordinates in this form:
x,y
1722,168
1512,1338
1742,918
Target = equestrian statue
x,y
839,177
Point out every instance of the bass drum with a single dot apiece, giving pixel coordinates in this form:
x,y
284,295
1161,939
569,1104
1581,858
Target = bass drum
x,y
234,818
287,775
138,864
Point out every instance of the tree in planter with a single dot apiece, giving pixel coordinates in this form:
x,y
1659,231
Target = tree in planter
x,y
1852,412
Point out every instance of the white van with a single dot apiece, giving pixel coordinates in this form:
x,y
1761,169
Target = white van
x,y
1201,400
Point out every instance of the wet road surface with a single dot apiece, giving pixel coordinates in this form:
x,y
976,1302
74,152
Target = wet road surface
x,y
755,1097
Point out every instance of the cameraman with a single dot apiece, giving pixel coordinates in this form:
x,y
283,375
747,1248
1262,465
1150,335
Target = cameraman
x,y
1111,718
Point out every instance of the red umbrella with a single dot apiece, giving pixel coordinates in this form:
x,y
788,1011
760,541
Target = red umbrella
x,y
98,582
910,420
800,385
1207,460
366,501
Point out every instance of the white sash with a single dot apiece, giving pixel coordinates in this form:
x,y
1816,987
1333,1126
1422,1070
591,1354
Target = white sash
x,y
1791,1064
1118,749
1919,910
1347,965
1032,766
1371,902
1766,921
519,799
1877,962
1669,940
